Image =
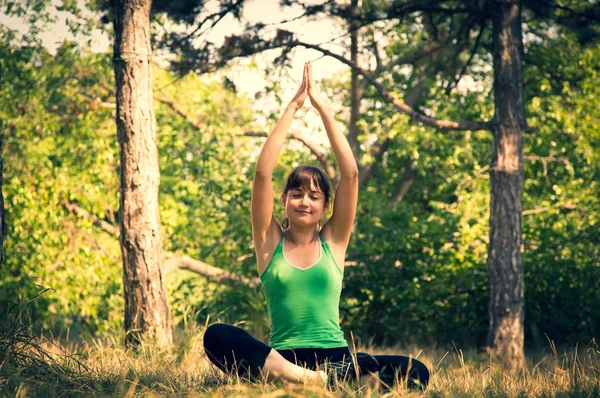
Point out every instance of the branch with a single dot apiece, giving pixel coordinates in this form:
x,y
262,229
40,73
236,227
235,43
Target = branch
x,y
172,261
400,9
217,15
535,211
400,13
103,225
246,45
412,57
377,53
467,181
408,177
390,10
471,56
317,150
314,148
551,158
96,102
567,207
591,13
108,105
546,159
401,106
198,124
377,152
319,153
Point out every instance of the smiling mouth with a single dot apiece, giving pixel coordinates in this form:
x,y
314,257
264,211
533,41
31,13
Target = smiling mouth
x,y
303,212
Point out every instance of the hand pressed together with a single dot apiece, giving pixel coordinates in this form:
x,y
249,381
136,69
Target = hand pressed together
x,y
315,99
307,88
298,101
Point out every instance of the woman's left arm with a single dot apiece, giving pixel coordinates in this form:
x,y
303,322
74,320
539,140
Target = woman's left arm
x,y
339,225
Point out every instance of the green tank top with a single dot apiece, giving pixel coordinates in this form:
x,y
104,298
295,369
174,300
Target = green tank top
x,y
304,304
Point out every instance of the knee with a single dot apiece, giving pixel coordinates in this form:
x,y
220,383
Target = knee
x,y
419,374
215,336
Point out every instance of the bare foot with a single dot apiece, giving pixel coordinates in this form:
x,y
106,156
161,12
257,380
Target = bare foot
x,y
370,380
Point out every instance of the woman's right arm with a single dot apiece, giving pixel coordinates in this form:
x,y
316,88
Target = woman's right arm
x,y
265,229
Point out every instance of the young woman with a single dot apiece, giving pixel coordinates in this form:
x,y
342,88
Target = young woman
x,y
301,268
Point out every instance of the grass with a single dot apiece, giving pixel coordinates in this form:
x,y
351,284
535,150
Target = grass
x,y
103,367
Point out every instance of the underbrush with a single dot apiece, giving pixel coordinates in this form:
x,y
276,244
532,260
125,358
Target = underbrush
x,y
31,366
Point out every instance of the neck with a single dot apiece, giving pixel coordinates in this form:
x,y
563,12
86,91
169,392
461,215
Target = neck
x,y
301,235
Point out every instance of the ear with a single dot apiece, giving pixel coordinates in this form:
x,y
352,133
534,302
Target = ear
x,y
283,199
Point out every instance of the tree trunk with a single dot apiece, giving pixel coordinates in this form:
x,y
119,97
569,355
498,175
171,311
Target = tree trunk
x,y
356,88
506,308
147,316
1,197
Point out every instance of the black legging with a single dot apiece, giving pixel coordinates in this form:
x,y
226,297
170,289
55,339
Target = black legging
x,y
235,351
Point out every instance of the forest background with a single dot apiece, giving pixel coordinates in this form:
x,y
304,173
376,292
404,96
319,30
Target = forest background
x,y
417,262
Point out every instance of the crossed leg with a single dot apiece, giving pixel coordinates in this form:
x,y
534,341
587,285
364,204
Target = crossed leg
x,y
276,366
233,350
394,368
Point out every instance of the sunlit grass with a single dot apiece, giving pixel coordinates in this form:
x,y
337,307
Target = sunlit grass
x,y
105,368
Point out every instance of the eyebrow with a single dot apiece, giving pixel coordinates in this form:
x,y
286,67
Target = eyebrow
x,y
312,191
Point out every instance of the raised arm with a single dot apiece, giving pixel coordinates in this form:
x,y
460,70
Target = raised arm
x,y
265,229
339,226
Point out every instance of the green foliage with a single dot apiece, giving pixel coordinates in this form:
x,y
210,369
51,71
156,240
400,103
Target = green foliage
x,y
62,148
58,151
418,268
195,299
562,241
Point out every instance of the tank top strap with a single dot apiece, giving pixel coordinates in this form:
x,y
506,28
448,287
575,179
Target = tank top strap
x,y
280,243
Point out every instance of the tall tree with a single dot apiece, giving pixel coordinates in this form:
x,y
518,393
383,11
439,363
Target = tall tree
x,y
147,314
356,87
507,126
1,195
507,280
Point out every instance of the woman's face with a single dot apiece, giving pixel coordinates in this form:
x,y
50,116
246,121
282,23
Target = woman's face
x,y
304,206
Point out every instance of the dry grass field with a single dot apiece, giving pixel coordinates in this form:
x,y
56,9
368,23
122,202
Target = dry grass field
x,y
104,368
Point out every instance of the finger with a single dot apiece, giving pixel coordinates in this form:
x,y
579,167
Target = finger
x,y
305,76
309,74
303,79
